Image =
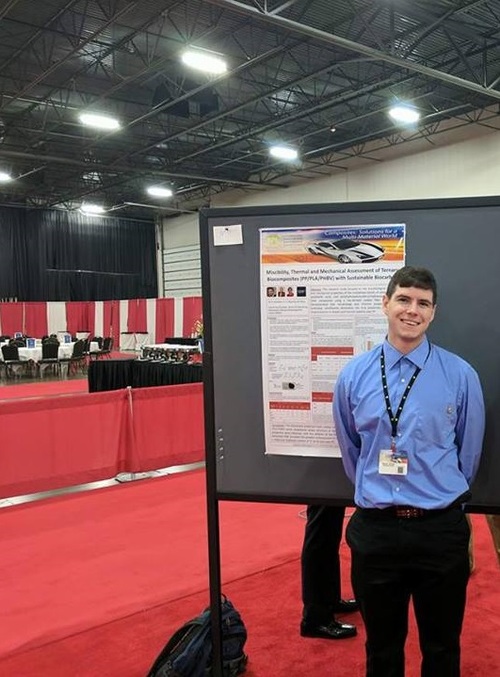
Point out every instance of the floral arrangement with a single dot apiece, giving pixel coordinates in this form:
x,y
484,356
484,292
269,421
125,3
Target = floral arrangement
x,y
198,328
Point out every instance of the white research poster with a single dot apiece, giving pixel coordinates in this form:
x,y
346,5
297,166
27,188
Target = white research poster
x,y
321,304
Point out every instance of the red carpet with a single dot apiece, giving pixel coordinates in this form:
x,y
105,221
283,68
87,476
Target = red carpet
x,y
77,561
43,388
104,578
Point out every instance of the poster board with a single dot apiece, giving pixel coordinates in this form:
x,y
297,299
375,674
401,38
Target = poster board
x,y
456,239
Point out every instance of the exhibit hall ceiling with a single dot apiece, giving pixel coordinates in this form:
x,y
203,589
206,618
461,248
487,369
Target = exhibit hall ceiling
x,y
315,76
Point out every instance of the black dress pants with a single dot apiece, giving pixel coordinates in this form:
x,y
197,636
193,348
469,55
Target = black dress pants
x,y
320,562
424,559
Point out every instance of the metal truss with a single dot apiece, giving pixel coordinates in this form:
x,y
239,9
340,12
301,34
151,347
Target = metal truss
x,y
298,69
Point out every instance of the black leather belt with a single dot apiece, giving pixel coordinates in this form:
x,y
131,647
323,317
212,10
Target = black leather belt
x,y
406,512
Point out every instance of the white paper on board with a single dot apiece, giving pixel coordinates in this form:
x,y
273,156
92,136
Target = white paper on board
x,y
227,235
320,307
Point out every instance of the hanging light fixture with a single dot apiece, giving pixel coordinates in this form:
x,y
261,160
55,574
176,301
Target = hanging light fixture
x,y
160,191
98,121
204,61
286,153
5,177
404,114
92,209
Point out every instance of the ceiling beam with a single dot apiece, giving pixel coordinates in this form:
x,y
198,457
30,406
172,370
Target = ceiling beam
x,y
6,9
97,167
37,34
58,63
331,39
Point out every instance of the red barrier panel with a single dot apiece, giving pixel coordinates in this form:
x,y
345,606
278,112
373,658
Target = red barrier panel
x,y
53,442
167,426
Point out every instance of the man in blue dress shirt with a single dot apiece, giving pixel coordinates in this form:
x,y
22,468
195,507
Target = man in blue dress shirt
x,y
409,418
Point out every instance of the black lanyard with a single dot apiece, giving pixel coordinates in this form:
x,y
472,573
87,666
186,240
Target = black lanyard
x,y
394,419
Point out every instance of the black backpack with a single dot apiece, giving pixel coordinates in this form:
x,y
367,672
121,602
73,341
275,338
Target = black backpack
x,y
188,653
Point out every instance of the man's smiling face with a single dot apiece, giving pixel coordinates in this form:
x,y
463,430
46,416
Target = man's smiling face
x,y
409,311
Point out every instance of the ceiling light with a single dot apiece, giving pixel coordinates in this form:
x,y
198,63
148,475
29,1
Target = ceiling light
x,y
99,121
284,153
92,209
91,176
333,129
5,177
405,114
160,191
204,61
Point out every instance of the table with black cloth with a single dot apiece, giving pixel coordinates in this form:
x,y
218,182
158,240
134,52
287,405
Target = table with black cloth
x,y
116,374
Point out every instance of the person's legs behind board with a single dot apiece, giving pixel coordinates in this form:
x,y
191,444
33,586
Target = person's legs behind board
x,y
320,566
494,526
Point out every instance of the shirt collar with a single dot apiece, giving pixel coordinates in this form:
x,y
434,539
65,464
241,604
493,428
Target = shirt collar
x,y
417,356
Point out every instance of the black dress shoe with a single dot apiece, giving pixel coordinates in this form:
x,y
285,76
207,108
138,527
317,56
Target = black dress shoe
x,y
332,630
346,606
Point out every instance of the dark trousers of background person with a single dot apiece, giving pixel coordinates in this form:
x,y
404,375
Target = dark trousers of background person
x,y
494,525
320,562
424,558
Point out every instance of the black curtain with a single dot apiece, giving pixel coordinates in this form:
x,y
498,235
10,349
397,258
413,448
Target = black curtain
x,y
67,256
11,225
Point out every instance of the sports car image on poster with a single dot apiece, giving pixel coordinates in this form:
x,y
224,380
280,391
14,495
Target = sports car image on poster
x,y
347,251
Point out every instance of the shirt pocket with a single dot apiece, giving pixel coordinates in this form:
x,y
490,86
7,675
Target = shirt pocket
x,y
369,411
437,418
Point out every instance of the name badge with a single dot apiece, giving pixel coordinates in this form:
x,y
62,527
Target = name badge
x,y
390,463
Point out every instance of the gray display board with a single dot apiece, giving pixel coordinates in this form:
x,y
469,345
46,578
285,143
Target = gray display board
x,y
459,240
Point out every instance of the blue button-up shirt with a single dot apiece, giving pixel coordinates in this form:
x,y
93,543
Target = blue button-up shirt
x,y
440,429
